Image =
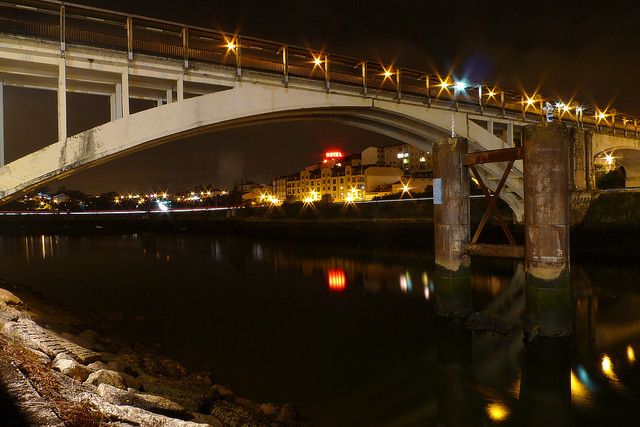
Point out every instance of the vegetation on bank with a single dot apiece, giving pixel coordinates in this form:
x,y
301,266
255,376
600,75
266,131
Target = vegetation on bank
x,y
620,208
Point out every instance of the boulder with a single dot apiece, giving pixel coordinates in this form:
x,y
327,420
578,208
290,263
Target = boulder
x,y
133,415
223,392
105,376
268,409
157,404
287,413
95,366
71,368
192,396
89,337
234,415
163,366
132,382
9,298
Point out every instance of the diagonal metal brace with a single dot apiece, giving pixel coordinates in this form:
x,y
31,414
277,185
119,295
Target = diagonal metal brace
x,y
492,197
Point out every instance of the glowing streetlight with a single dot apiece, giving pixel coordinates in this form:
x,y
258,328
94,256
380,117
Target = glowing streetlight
x,y
317,60
601,115
388,73
609,159
530,101
231,45
460,86
631,355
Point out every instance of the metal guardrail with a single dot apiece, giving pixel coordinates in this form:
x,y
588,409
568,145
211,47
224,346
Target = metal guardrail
x,y
71,23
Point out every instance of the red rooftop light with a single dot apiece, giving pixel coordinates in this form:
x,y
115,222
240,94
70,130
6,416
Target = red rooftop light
x,y
333,155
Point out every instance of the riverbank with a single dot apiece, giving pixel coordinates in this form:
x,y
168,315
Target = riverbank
x,y
610,227
53,371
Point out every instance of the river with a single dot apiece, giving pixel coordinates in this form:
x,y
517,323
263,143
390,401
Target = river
x,y
348,332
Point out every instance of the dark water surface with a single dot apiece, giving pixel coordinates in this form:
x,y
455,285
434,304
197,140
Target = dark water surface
x,y
348,333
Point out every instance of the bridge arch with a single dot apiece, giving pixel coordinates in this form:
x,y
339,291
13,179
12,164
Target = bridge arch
x,y
247,104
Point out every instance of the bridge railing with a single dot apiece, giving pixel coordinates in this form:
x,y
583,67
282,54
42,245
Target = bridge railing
x,y
75,24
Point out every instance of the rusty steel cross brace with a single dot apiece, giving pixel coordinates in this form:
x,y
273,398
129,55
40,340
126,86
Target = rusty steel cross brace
x,y
492,198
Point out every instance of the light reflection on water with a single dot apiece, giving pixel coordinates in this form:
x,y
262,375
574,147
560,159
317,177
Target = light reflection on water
x,y
348,332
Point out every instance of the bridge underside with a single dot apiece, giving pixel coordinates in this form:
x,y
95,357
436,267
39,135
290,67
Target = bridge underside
x,y
245,104
624,151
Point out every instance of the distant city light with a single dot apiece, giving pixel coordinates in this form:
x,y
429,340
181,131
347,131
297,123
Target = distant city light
x,y
162,206
498,412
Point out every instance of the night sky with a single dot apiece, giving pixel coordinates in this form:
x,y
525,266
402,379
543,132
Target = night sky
x,y
565,48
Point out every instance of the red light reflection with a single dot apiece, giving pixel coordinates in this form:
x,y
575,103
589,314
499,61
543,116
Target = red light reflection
x,y
337,280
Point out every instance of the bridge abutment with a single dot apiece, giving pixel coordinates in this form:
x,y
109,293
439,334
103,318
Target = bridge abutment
x,y
451,223
547,206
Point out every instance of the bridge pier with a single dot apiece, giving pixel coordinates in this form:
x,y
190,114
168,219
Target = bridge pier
x,y
547,203
451,227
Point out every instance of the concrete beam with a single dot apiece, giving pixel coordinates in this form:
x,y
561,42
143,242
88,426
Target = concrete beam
x,y
125,92
62,100
180,88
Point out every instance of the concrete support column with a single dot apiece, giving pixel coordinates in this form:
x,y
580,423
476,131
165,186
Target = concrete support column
x,y
546,210
159,102
62,99
169,96
113,112
125,93
451,227
490,126
117,102
580,162
1,123
509,134
180,88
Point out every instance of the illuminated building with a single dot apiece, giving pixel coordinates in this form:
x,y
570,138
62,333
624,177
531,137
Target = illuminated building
x,y
413,161
338,177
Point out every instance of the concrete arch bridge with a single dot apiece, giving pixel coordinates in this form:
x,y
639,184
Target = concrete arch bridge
x,y
201,80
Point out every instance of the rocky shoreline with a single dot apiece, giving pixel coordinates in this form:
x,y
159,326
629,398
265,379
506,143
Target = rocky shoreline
x,y
64,379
